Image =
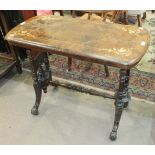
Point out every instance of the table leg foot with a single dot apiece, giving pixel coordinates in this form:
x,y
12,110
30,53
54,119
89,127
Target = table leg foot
x,y
113,135
38,93
118,113
106,70
34,110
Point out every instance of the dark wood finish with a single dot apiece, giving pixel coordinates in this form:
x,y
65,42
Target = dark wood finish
x,y
57,35
125,18
14,61
41,74
69,63
6,65
106,70
28,13
119,102
117,45
139,20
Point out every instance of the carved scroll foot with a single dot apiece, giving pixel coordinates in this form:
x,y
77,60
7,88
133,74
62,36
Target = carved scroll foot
x,y
34,110
38,93
118,113
113,134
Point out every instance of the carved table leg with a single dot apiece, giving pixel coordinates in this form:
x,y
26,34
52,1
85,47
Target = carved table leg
x,y
126,102
47,72
41,74
119,102
38,93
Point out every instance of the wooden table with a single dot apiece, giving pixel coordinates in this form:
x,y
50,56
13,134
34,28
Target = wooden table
x,y
115,45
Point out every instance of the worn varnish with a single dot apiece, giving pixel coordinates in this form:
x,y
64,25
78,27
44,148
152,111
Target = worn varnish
x,y
113,44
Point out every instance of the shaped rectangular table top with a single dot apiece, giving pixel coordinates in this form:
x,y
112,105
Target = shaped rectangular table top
x,y
114,44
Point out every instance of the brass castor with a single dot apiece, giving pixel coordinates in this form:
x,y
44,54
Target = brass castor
x,y
34,111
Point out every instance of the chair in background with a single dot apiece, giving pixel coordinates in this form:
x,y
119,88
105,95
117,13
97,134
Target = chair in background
x,y
112,15
139,14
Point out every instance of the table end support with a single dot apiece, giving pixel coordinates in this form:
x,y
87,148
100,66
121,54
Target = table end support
x,y
42,76
121,101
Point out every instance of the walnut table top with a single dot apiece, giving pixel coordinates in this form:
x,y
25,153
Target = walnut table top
x,y
113,44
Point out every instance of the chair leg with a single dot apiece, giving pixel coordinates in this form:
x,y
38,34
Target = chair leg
x,y
89,15
144,15
106,70
105,17
113,16
61,12
139,20
73,13
69,63
125,18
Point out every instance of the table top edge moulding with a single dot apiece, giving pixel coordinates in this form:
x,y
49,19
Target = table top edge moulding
x,y
117,45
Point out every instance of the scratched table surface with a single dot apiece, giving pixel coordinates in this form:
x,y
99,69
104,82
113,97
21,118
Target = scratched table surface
x,y
117,45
